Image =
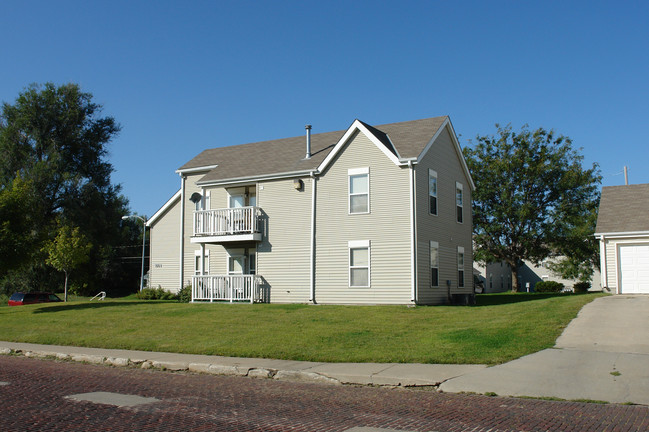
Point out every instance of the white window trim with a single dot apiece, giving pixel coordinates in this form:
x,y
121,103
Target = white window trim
x,y
433,173
459,186
434,245
357,171
359,244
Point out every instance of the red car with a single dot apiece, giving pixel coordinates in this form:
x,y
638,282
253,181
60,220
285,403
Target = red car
x,y
19,298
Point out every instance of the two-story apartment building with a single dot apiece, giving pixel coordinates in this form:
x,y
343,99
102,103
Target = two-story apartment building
x,y
366,215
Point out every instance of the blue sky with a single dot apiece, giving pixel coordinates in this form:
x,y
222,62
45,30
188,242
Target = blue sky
x,y
181,77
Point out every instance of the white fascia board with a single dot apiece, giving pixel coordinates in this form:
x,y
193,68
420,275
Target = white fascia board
x,y
253,179
357,125
164,208
195,170
456,143
622,234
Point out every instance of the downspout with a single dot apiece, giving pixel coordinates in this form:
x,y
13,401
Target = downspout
x,y
314,182
413,236
182,229
602,263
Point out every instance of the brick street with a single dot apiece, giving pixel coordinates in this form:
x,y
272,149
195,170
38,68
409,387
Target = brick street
x,y
35,396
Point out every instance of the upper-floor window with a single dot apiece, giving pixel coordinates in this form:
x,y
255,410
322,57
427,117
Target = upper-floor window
x,y
359,190
359,263
432,192
460,266
459,201
434,264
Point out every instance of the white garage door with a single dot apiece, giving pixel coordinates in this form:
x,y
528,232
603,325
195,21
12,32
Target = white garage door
x,y
634,269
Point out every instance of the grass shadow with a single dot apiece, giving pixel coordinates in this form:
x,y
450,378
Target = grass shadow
x,y
96,305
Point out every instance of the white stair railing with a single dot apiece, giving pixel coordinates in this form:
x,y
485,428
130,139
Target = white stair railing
x,y
101,295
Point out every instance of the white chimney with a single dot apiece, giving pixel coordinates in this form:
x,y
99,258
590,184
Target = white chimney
x,y
308,141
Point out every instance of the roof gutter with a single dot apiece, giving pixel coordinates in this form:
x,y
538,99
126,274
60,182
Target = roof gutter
x,y
196,169
408,161
622,234
275,176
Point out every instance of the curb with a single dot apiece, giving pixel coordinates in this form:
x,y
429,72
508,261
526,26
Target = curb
x,y
204,368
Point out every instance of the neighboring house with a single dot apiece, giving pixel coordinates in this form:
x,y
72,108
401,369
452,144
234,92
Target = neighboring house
x,y
623,234
498,276
366,215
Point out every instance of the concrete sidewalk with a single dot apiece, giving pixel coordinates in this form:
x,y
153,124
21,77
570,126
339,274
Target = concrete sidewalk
x,y
381,374
602,355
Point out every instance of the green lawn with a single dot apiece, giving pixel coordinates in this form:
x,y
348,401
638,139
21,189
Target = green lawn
x,y
501,327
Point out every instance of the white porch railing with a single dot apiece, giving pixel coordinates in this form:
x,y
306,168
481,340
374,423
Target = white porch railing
x,y
221,222
226,288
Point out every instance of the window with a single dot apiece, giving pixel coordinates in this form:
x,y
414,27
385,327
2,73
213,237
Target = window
x,y
201,263
359,190
432,192
459,201
434,264
359,263
460,266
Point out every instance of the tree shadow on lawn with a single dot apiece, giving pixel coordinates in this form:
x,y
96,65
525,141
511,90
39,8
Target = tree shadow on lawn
x,y
98,305
509,298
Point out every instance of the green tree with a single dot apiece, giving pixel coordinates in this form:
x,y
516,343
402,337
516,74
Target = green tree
x,y
18,222
532,195
67,251
55,138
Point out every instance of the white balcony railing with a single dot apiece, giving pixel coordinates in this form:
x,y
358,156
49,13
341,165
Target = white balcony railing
x,y
226,288
230,221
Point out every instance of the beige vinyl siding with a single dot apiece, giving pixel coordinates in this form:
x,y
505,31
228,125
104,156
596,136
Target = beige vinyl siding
x,y
611,265
443,228
283,256
387,227
165,250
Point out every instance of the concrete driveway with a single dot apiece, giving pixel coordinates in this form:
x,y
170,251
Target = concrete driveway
x,y
602,355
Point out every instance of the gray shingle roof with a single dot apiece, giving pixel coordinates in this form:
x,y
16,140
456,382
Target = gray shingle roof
x,y
286,155
623,209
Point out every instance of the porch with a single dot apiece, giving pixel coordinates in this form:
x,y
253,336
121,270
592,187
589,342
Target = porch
x,y
226,288
227,225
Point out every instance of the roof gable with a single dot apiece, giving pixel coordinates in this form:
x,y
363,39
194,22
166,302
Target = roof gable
x,y
381,141
623,209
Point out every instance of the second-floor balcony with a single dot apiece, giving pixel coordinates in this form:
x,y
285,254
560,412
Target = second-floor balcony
x,y
227,225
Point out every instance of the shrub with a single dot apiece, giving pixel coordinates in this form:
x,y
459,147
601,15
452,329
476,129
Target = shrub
x,y
581,287
548,287
155,294
185,294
